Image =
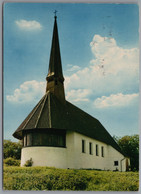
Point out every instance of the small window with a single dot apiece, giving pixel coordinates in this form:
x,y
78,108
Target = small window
x,y
83,146
29,139
25,141
96,149
115,163
90,148
102,151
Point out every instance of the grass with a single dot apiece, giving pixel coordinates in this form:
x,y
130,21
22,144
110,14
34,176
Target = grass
x,y
44,178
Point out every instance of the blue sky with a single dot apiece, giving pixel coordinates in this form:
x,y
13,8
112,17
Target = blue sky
x,y
100,57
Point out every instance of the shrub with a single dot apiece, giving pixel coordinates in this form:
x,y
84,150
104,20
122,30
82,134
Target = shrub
x,y
28,163
11,162
44,178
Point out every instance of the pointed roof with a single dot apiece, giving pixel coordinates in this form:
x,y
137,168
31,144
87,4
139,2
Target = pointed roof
x,y
49,113
55,65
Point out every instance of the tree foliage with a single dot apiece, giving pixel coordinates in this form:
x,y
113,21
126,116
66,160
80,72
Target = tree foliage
x,y
130,146
12,149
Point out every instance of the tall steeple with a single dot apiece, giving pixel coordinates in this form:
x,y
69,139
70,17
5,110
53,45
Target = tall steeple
x,y
55,79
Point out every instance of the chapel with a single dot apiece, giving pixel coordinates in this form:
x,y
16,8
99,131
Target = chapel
x,y
58,134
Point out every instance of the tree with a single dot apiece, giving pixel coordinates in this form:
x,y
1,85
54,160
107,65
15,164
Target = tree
x,y
12,149
130,146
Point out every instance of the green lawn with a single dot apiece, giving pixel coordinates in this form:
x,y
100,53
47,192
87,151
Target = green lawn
x,y
44,178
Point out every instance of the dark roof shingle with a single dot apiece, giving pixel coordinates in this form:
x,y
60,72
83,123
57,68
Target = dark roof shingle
x,y
50,113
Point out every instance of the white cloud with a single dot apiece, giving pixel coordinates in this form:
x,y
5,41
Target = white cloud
x,y
113,70
112,58
79,95
27,92
73,67
116,100
28,25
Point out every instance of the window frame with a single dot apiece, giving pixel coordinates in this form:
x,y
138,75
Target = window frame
x,y
102,151
35,137
97,150
116,163
90,148
83,146
25,140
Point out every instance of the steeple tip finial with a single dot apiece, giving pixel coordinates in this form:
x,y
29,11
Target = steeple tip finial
x,y
55,12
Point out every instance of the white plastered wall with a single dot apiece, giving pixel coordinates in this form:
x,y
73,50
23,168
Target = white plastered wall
x,y
85,160
45,156
72,156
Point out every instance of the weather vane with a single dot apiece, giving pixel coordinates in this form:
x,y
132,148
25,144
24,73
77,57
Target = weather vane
x,y
55,13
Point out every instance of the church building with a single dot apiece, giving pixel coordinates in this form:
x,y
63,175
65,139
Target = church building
x,y
58,134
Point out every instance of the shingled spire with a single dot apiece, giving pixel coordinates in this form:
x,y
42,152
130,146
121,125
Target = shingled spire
x,y
55,77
